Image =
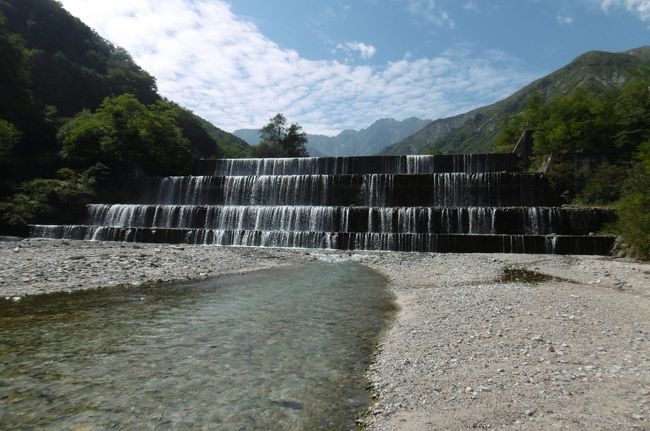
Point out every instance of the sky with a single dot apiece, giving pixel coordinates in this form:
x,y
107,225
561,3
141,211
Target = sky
x,y
332,65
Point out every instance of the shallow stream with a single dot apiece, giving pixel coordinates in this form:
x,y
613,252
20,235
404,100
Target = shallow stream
x,y
281,349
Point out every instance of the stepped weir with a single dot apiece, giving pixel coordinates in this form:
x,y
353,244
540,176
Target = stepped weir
x,y
450,203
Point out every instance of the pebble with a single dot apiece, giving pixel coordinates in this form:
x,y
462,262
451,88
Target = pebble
x,y
73,265
538,339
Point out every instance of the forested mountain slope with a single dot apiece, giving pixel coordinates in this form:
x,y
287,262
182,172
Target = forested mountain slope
x,y
475,131
76,110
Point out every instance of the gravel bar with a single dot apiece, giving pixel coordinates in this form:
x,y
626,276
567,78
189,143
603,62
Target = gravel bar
x,y
43,266
470,349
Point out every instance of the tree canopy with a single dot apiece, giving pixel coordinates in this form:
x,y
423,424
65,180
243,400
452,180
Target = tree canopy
x,y
612,129
123,130
617,120
278,140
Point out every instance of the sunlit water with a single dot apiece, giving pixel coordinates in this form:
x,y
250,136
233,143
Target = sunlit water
x,y
280,349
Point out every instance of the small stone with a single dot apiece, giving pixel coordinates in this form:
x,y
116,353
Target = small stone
x,y
16,250
469,390
530,412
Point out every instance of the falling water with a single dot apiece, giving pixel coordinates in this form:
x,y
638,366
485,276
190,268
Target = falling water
x,y
411,203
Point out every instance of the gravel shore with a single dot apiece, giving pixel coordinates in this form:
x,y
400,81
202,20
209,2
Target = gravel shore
x,y
43,266
468,349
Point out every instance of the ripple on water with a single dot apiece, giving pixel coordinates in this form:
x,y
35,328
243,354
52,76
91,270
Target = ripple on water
x,y
284,348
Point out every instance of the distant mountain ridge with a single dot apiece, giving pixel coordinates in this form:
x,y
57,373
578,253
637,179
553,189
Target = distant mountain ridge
x,y
364,142
474,131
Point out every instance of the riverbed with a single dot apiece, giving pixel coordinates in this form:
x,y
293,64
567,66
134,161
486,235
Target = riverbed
x,y
468,349
278,349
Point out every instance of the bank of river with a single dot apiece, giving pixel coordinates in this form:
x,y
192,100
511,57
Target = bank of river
x,y
469,348
43,266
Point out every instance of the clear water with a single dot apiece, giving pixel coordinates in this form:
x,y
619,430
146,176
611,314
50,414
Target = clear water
x,y
283,349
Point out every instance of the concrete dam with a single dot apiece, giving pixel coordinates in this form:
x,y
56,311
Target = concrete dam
x,y
447,203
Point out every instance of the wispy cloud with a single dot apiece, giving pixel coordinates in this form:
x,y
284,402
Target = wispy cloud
x,y
220,65
431,12
365,51
638,7
472,6
565,19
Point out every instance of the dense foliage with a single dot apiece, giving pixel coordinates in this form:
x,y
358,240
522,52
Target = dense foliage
x,y
276,140
600,147
69,100
124,131
59,200
634,207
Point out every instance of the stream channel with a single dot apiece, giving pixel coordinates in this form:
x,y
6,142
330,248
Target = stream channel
x,y
279,349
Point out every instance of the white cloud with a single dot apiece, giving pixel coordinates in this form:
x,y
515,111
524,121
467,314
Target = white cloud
x,y
366,52
220,66
430,12
472,6
565,19
639,7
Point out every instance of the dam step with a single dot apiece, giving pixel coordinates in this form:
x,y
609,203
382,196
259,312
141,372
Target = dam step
x,y
446,190
477,220
464,163
411,242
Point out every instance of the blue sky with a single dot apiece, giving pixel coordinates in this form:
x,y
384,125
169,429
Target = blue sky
x,y
339,64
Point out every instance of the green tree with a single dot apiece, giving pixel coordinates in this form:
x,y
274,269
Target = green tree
x,y
278,140
295,141
59,200
9,137
580,121
125,131
203,145
634,207
512,127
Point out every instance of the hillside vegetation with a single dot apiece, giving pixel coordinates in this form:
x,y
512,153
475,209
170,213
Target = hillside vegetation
x,y
77,112
600,147
476,131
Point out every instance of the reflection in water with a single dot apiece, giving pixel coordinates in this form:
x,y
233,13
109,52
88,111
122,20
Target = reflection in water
x,y
279,349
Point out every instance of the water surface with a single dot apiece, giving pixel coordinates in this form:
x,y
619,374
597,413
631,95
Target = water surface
x,y
280,349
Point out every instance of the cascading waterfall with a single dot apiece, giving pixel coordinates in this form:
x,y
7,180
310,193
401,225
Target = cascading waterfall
x,y
466,163
440,190
468,220
454,203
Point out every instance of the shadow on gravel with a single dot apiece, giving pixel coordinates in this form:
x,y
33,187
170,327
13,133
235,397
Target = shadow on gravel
x,y
520,275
